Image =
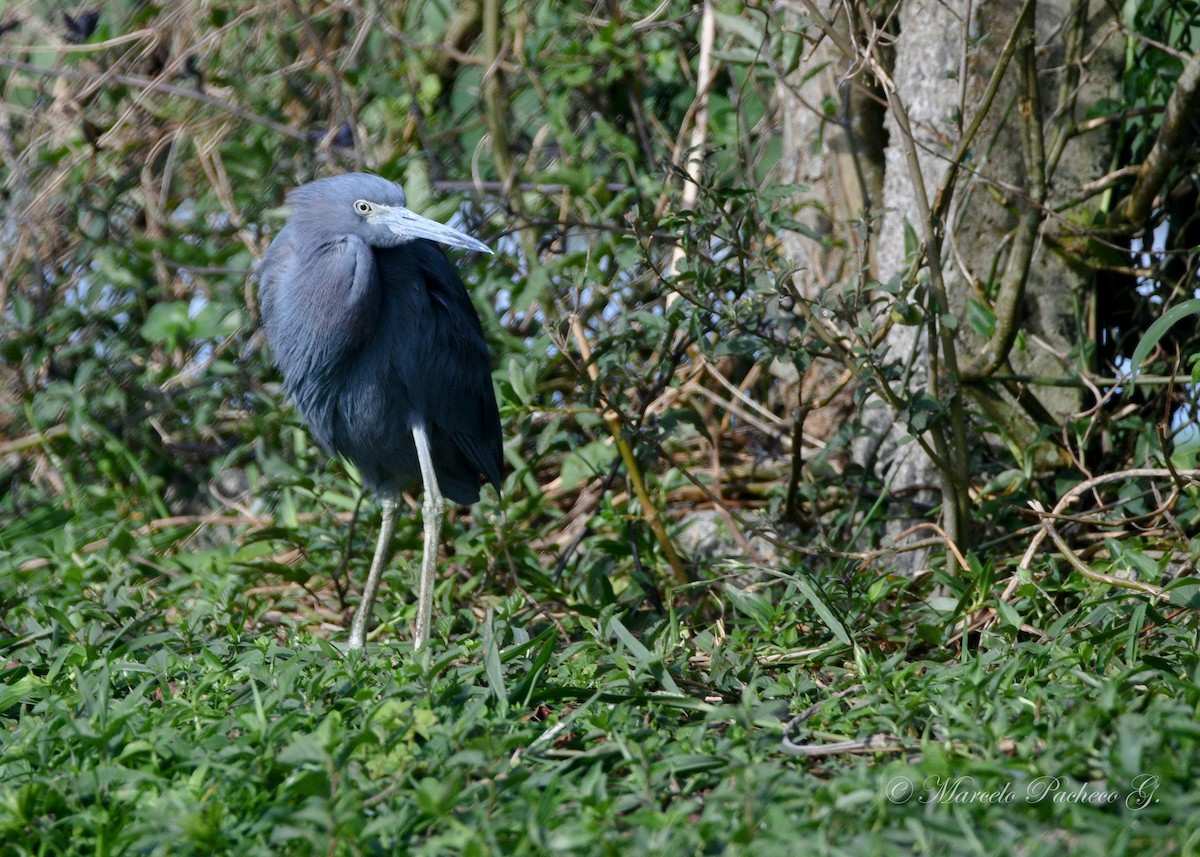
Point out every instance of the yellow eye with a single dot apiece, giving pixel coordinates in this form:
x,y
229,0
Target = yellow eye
x,y
362,207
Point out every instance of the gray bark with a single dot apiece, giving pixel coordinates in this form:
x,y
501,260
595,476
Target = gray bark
x,y
1078,60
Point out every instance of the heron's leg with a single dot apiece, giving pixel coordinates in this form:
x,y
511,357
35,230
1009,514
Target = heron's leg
x,y
431,511
358,631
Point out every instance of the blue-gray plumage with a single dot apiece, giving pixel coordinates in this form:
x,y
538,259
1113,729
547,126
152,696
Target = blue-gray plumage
x,y
382,351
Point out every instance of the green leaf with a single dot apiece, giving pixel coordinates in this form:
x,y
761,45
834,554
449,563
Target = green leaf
x,y
823,610
166,322
753,605
28,688
1157,330
1009,614
980,317
215,320
491,663
587,462
749,30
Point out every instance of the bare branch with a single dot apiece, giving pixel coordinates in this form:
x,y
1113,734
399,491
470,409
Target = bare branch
x,y
1168,149
147,83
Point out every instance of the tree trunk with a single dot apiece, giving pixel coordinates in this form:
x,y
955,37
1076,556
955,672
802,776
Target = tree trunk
x,y
956,137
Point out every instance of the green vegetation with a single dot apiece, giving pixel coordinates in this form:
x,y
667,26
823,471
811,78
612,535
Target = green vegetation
x,y
209,734
174,569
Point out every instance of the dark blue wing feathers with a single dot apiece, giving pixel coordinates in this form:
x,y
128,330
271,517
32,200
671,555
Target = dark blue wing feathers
x,y
446,367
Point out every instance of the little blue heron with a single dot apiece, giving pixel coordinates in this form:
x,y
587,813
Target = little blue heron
x,y
384,356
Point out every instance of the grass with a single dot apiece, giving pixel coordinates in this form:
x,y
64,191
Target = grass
x,y
153,703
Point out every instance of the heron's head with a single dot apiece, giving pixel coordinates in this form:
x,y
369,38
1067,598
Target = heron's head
x,y
372,208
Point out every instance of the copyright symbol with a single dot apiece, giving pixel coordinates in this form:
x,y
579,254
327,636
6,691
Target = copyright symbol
x,y
899,790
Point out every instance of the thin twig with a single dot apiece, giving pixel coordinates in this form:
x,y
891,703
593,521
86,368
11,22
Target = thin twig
x,y
147,83
1070,498
879,743
613,420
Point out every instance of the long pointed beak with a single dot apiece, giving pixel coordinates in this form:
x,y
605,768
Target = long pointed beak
x,y
408,225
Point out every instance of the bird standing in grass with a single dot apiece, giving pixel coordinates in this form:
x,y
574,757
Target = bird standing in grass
x,y
384,356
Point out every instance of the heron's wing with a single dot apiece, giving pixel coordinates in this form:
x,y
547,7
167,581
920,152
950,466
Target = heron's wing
x,y
270,273
458,397
319,304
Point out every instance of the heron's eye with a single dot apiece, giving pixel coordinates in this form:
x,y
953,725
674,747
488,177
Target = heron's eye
x,y
362,207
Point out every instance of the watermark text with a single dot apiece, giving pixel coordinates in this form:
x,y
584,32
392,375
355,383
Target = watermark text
x,y
1138,795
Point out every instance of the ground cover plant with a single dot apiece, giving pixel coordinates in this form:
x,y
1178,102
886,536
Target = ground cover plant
x,y
832,522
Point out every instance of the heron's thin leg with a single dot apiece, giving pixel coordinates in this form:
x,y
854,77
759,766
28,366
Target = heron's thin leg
x,y
431,510
358,631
